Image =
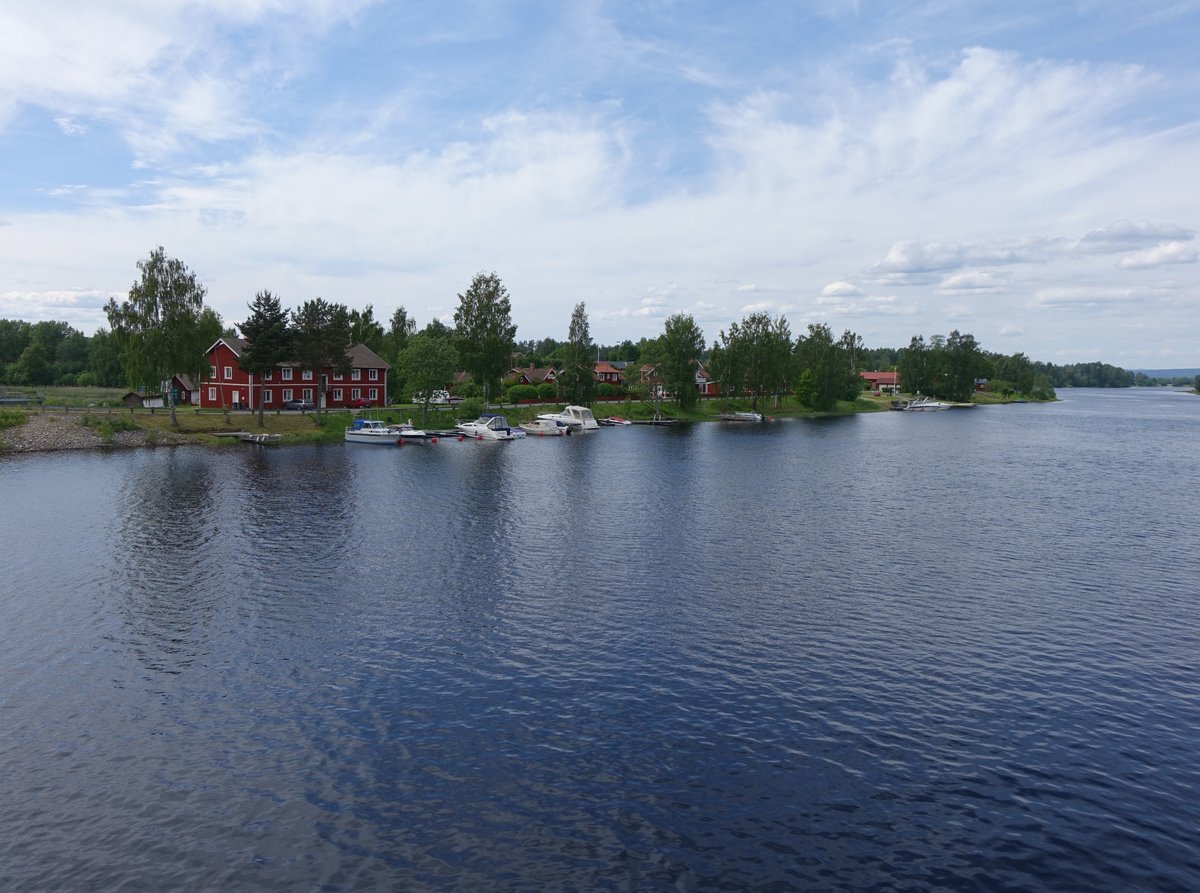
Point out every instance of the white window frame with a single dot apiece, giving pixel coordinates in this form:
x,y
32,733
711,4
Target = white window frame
x,y
229,373
356,375
287,394
356,393
306,375
212,373
337,376
266,396
373,374
337,395
287,374
212,394
373,394
307,394
270,375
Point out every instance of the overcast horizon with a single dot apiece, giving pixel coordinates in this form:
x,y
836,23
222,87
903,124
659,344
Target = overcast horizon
x,y
1024,172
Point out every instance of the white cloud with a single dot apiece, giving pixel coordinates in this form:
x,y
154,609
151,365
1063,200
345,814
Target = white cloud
x,y
840,289
1124,235
1168,253
1082,296
757,307
1011,331
972,282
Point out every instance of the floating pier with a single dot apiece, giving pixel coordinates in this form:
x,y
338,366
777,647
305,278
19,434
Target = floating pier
x,y
248,437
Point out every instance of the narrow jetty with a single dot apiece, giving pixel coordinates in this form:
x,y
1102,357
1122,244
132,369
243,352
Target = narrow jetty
x,y
248,437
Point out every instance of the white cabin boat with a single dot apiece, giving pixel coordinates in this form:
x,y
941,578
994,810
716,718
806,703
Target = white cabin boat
x,y
925,404
545,428
375,431
580,418
741,417
489,427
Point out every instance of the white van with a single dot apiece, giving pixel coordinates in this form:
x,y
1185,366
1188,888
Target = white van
x,y
439,398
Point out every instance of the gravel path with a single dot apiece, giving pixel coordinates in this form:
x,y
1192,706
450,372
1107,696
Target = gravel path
x,y
48,431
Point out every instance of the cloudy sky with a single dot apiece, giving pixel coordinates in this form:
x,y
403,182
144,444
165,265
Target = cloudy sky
x,y
1024,171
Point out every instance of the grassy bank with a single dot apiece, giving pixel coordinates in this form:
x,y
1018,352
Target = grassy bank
x,y
206,426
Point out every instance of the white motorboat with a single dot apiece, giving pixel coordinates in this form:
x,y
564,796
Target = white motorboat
x,y
490,427
546,428
614,422
924,404
580,418
741,417
375,431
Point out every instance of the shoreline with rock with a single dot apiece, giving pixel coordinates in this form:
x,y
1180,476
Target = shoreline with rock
x,y
49,433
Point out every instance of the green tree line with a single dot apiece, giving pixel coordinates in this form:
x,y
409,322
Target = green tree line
x,y
164,327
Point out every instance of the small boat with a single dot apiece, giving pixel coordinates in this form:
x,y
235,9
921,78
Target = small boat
x,y
924,404
614,421
580,418
741,417
546,428
375,431
490,426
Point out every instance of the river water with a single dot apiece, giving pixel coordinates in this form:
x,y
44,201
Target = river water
x,y
953,651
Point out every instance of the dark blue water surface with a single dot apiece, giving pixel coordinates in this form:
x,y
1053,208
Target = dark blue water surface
x,y
950,651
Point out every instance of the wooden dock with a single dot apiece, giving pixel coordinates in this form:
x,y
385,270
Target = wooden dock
x,y
248,437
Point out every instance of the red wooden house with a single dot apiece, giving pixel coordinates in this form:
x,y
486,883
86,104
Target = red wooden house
x,y
227,386
882,382
607,373
533,375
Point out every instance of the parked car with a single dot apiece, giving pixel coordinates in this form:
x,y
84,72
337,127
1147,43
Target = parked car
x,y
438,398
358,403
298,404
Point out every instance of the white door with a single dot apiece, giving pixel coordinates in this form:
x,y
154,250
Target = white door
x,y
237,398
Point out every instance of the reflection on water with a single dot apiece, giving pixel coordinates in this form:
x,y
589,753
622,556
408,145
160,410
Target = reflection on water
x,y
167,515
890,652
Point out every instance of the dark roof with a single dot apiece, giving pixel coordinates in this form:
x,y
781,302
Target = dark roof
x,y
361,355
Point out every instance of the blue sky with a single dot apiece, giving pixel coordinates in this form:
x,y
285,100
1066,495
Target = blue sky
x,y
1026,172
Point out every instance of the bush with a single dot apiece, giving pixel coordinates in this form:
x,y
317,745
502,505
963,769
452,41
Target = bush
x,y
468,390
107,426
471,408
519,392
605,389
547,390
10,418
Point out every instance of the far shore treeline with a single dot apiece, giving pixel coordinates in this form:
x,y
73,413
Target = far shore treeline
x,y
758,351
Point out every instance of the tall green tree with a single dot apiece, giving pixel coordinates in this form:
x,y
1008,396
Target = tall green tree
x,y
268,340
159,327
104,359
578,378
427,364
484,331
681,346
828,366
320,339
15,335
33,366
964,361
726,363
364,329
400,329
71,358
914,366
766,351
